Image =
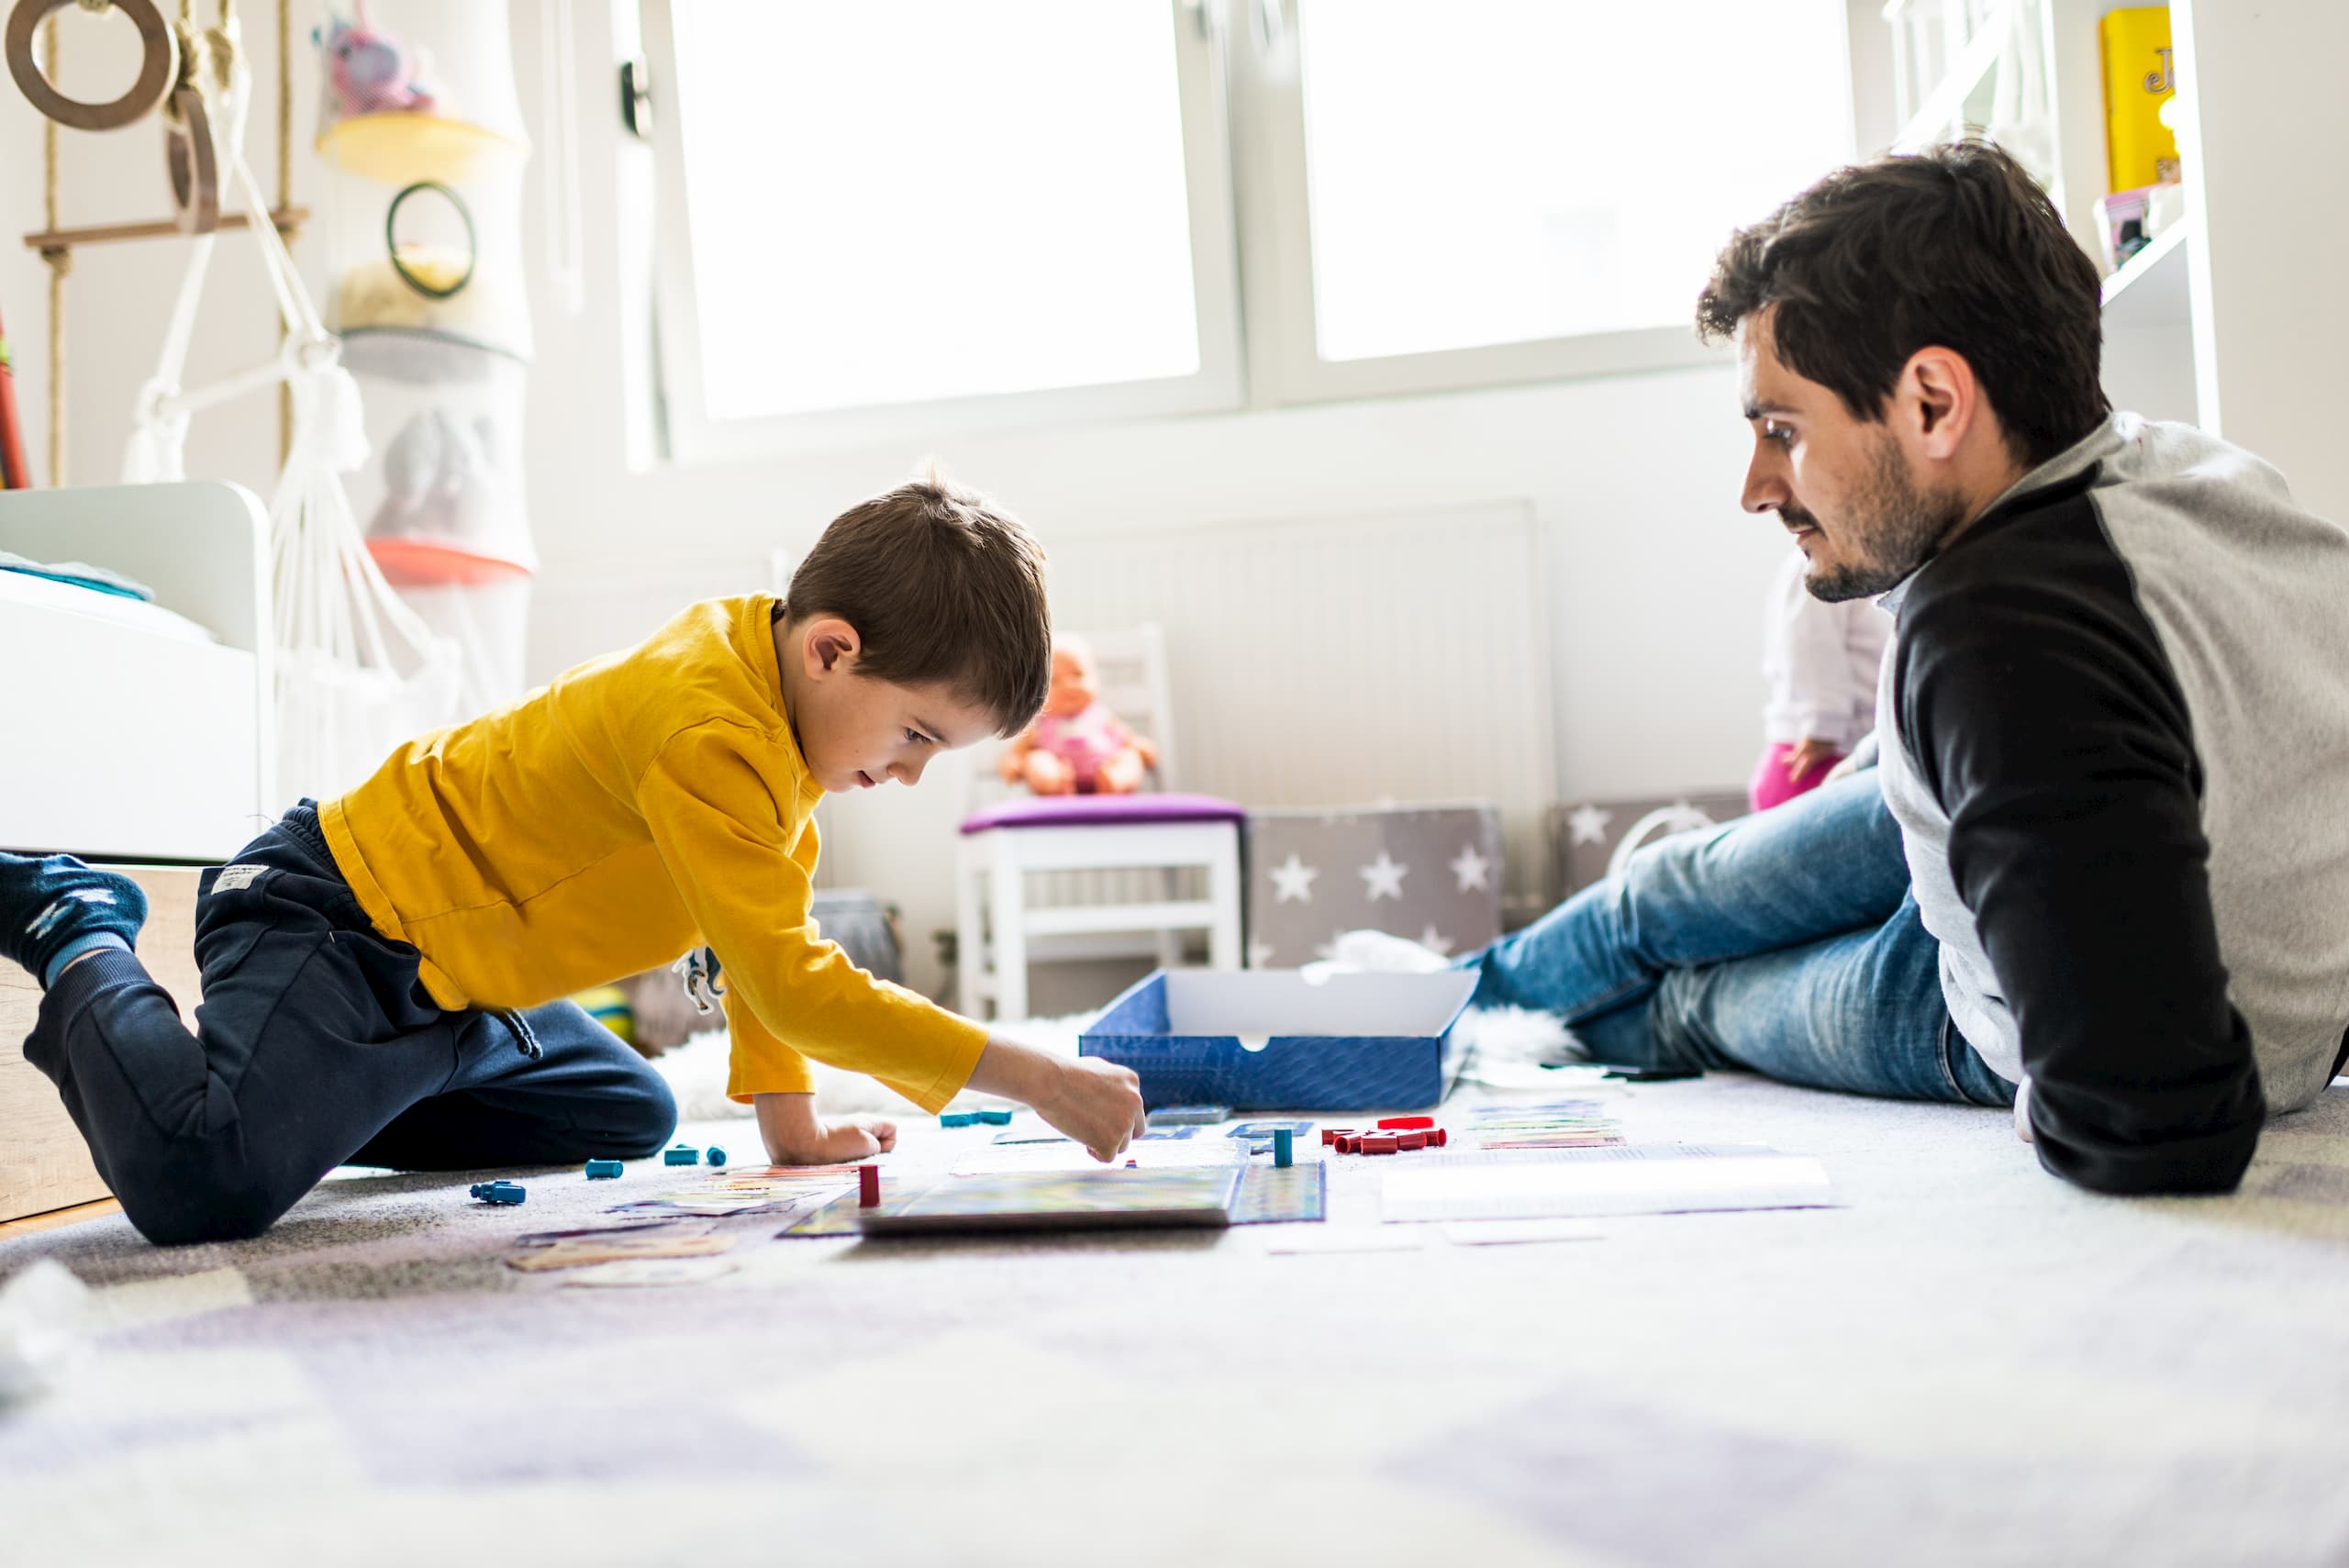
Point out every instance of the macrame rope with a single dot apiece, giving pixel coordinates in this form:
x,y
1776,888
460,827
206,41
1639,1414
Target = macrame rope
x,y
60,261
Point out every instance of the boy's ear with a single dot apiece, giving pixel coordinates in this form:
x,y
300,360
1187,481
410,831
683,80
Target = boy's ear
x,y
828,644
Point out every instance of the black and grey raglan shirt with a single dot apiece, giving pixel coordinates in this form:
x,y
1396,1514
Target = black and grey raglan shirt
x,y
2115,734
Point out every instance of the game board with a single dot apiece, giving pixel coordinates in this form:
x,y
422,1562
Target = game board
x,y
1266,1196
1060,1200
1271,1195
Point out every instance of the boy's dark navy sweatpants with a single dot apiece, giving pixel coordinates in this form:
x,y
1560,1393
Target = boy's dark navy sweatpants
x,y
316,1045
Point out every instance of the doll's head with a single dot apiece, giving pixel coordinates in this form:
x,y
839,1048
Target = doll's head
x,y
1076,683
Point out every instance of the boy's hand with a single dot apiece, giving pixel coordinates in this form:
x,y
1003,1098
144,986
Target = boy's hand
x,y
796,1135
1096,1102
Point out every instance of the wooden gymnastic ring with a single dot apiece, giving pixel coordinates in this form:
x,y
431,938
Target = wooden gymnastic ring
x,y
159,66
192,163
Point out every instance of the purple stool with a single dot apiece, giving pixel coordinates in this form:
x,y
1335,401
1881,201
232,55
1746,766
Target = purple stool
x,y
1166,833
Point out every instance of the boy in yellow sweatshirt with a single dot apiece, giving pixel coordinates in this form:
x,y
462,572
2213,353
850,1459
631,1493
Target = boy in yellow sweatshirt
x,y
382,972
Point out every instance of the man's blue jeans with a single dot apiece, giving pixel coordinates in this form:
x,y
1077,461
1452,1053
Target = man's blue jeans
x,y
1786,943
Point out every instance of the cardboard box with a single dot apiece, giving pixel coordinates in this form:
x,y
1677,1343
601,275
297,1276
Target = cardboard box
x,y
1273,1040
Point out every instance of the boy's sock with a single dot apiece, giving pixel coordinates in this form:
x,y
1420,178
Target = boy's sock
x,y
54,909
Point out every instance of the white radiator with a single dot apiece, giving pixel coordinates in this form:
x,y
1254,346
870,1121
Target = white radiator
x,y
1346,660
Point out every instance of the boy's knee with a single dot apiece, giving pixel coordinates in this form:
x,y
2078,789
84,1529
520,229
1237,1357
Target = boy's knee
x,y
637,1123
190,1196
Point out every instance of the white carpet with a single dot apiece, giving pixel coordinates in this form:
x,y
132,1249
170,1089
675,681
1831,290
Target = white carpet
x,y
1971,1364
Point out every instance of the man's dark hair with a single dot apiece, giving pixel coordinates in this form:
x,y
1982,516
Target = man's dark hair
x,y
1956,247
942,588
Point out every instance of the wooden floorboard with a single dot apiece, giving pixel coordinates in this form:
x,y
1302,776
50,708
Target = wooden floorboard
x,y
50,1221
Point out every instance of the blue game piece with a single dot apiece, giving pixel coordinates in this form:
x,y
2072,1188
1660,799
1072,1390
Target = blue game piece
x,y
1189,1115
1001,1118
1284,1149
716,1156
500,1192
602,1170
957,1118
682,1154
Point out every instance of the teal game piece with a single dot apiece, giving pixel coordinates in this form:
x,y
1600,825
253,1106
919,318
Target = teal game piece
x,y
602,1170
957,1118
1001,1118
1284,1147
716,1156
682,1154
500,1192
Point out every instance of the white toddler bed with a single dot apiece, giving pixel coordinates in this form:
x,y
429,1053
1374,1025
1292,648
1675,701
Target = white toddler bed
x,y
127,731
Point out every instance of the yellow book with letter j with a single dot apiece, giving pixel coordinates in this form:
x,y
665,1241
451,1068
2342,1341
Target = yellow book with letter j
x,y
2139,78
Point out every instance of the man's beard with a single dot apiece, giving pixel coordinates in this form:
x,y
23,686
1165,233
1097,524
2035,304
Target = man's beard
x,y
1892,526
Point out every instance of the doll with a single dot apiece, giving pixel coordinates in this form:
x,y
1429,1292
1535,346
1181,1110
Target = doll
x,y
370,72
1076,746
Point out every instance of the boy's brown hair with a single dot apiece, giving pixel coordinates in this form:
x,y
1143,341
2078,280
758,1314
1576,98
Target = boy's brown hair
x,y
1956,247
942,588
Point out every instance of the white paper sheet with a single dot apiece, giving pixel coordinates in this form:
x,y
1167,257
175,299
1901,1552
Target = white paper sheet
x,y
1581,1183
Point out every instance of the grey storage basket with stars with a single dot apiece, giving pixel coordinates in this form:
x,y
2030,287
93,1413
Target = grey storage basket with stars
x,y
1585,836
1429,872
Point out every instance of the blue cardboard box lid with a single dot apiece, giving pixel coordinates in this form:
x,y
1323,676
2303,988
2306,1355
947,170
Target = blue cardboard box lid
x,y
1273,1039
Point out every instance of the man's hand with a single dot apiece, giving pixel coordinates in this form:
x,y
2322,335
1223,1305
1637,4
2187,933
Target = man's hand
x,y
796,1135
2023,1110
1807,757
1096,1102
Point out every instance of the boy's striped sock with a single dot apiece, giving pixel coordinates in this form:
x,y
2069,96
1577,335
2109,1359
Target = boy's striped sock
x,y
53,910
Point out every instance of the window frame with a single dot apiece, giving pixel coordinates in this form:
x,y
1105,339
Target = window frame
x,y
1241,95
693,435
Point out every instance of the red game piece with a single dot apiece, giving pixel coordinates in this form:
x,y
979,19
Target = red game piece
x,y
1380,1143
868,1186
1404,1123
1330,1135
1410,1141
1439,1138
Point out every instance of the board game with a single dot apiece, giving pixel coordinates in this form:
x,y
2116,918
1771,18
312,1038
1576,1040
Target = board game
x,y
1060,1200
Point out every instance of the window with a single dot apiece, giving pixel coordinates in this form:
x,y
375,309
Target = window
x,y
949,215
1015,211
1497,189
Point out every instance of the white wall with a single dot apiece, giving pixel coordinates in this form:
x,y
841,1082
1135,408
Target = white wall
x,y
1657,578
2268,186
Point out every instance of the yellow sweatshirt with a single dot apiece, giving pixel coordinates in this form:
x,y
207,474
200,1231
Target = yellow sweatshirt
x,y
641,805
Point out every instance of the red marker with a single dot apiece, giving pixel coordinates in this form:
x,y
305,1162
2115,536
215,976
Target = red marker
x,y
1404,1123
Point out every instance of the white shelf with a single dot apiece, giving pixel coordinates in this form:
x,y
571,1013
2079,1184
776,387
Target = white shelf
x,y
2150,288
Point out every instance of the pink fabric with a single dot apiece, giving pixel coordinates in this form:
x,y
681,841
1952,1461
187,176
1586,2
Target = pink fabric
x,y
1770,785
1083,740
1076,810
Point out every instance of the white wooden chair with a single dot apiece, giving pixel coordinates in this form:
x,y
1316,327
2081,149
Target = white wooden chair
x,y
1001,929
